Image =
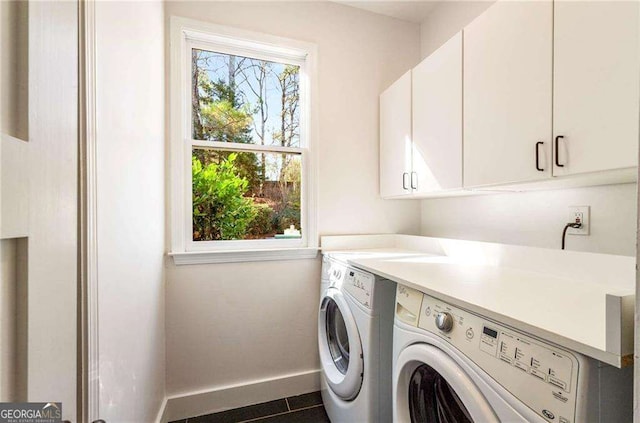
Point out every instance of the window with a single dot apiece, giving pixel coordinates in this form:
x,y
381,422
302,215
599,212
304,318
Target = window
x,y
242,158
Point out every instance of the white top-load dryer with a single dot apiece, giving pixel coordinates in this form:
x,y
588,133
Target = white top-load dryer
x,y
355,334
452,365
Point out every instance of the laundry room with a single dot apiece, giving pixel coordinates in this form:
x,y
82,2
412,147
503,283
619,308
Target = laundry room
x,y
319,211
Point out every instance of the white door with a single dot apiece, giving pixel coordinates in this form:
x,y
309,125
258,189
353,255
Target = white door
x,y
437,119
596,88
39,203
507,94
340,347
395,138
429,386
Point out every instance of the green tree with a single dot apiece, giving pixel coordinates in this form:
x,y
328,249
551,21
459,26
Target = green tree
x,y
220,210
220,115
224,118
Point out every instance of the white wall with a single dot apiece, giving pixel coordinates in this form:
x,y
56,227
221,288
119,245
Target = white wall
x,y
130,178
236,323
229,323
445,20
535,218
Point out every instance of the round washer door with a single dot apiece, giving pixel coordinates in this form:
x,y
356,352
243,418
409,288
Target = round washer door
x,y
340,346
430,387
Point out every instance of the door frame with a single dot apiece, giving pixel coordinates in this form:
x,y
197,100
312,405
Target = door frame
x,y
88,347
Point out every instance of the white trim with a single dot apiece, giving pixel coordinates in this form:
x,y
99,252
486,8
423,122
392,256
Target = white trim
x,y
176,87
162,417
273,44
91,192
242,245
186,32
230,146
245,48
222,398
238,256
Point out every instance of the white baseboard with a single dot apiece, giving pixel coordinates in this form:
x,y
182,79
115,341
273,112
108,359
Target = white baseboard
x,y
162,412
239,395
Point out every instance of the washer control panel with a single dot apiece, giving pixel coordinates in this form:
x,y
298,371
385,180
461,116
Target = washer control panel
x,y
541,375
360,285
537,360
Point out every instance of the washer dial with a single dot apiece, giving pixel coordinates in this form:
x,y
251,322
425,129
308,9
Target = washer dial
x,y
444,321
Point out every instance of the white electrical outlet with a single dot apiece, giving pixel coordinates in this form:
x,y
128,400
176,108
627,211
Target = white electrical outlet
x,y
579,214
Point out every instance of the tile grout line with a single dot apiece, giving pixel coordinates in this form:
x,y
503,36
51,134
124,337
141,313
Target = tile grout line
x,y
280,414
287,401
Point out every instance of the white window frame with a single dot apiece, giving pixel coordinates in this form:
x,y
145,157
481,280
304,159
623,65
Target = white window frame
x,y
185,35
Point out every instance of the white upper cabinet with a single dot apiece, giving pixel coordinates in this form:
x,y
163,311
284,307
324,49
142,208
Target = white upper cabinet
x,y
395,138
530,94
437,119
596,88
508,94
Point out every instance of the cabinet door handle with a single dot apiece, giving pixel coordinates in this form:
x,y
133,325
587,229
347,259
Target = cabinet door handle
x,y
405,175
414,185
538,168
557,152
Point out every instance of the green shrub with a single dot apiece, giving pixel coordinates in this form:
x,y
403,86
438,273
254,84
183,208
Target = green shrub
x,y
220,210
262,224
285,218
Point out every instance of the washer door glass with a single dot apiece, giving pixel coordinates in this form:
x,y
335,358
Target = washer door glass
x,y
337,336
433,400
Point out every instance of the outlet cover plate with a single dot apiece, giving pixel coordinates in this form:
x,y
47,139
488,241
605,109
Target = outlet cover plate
x,y
583,212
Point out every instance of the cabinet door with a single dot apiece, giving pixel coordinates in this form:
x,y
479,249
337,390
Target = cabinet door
x,y
395,138
507,94
437,119
596,85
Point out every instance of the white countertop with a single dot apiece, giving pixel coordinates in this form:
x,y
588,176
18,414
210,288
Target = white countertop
x,y
583,312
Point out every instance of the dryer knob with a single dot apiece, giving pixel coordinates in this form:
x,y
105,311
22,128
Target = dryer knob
x,y
444,322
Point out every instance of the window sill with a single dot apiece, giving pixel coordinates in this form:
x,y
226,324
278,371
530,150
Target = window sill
x,y
239,256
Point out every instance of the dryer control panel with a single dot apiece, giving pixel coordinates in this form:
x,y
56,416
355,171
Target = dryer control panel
x,y
360,285
539,374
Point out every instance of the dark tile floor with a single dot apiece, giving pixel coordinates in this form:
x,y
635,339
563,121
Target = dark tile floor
x,y
305,408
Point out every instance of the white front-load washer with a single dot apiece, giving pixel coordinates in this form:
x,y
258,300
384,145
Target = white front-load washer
x,y
452,365
355,332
